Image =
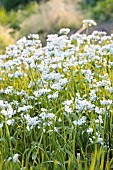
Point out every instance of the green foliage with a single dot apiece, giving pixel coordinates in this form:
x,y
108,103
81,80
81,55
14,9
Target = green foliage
x,y
10,19
13,4
99,10
103,11
91,2
13,18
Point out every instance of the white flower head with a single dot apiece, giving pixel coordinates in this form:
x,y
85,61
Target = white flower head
x,y
64,31
24,108
90,139
89,23
80,121
90,130
1,103
9,159
10,122
106,102
15,158
9,112
99,140
1,125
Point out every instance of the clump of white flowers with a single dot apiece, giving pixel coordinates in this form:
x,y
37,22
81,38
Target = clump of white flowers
x,y
89,23
8,111
64,31
14,158
55,95
80,121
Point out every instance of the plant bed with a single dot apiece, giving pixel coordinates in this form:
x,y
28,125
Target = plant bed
x,y
56,102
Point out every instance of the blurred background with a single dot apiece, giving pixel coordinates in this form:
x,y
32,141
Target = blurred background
x,y
19,18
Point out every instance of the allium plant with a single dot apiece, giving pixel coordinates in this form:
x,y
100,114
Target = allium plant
x,y
56,103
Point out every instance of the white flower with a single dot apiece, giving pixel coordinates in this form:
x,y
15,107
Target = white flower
x,y
106,102
90,139
80,121
8,90
10,121
68,109
31,121
59,120
81,104
53,96
18,74
111,51
68,102
9,159
24,108
1,103
15,158
1,125
44,115
110,89
42,91
9,112
43,110
99,110
99,140
89,23
84,105
64,31
63,81
99,120
93,96
33,36
56,86
90,130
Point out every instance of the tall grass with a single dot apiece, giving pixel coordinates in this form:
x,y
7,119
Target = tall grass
x,y
5,38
